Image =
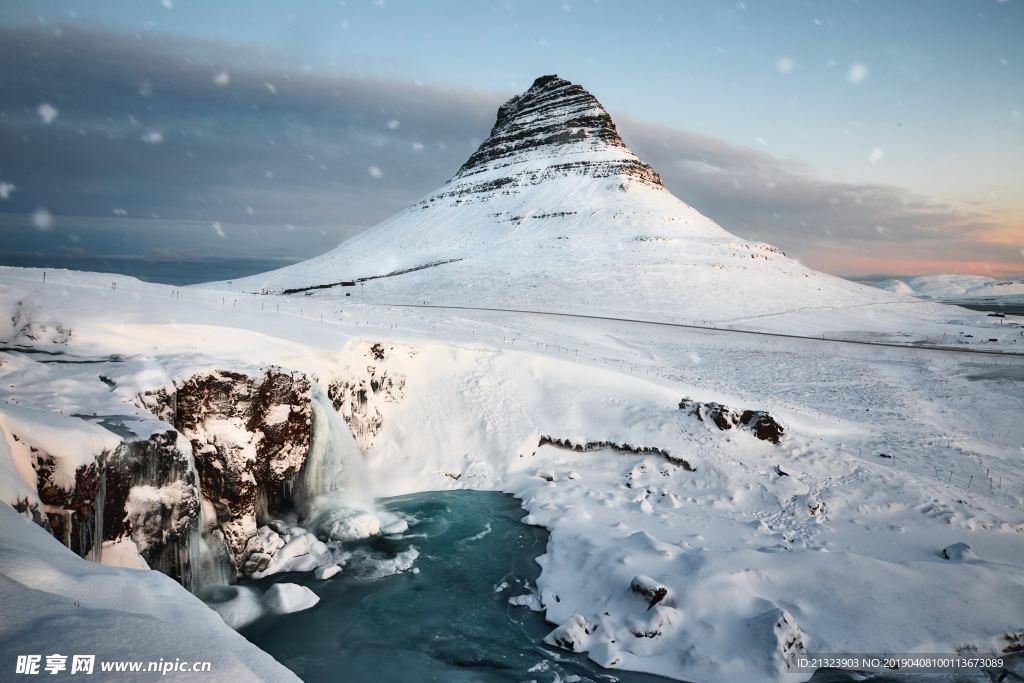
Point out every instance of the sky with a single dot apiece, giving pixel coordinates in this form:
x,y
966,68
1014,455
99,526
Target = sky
x,y
193,139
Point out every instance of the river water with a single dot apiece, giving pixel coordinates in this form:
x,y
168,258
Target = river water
x,y
447,618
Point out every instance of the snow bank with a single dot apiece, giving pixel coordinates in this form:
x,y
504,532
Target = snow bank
x,y
70,441
54,601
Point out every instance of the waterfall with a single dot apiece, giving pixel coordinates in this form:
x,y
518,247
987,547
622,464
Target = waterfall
x,y
334,473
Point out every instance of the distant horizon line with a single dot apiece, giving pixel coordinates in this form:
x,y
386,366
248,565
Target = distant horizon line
x,y
229,267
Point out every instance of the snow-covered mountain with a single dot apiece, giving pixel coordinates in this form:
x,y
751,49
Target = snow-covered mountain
x,y
719,503
957,288
554,210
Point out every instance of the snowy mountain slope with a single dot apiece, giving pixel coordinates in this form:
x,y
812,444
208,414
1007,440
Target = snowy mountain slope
x,y
554,211
55,602
957,288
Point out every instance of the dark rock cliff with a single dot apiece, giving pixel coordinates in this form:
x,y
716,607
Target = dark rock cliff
x,y
554,129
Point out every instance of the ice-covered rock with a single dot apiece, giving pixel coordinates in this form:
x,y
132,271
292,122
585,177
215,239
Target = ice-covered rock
x,y
283,598
958,552
347,525
530,601
650,590
359,397
651,630
326,571
777,632
123,553
572,635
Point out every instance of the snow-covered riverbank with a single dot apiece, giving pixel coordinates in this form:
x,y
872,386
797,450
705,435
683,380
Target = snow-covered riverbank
x,y
830,540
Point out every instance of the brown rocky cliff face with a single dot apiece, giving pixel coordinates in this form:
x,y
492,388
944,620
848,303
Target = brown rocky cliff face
x,y
250,436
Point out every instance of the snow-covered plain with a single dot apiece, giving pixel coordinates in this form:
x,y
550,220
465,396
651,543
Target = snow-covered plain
x,y
844,546
964,288
676,547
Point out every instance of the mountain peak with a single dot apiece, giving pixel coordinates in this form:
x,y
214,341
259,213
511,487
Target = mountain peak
x,y
554,129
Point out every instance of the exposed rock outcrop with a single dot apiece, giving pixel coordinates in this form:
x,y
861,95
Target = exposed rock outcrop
x,y
758,422
250,436
573,634
552,118
569,444
359,398
187,497
649,589
782,636
143,490
28,327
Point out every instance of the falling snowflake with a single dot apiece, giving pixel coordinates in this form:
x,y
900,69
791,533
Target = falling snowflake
x,y
152,137
271,88
219,229
120,212
169,4
48,113
222,78
785,65
417,146
876,155
42,219
393,123
375,172
857,73
6,189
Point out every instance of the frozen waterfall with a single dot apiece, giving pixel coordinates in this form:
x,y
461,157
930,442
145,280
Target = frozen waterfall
x,y
334,474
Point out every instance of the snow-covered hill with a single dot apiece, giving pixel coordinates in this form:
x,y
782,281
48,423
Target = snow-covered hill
x,y
957,288
554,211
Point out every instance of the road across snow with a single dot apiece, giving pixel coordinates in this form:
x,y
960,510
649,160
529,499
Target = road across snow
x,y
724,330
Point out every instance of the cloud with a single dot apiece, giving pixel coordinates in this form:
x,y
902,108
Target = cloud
x,y
838,226
148,127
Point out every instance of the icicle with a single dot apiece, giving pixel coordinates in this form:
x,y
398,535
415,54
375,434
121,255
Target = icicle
x,y
203,558
97,517
208,553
